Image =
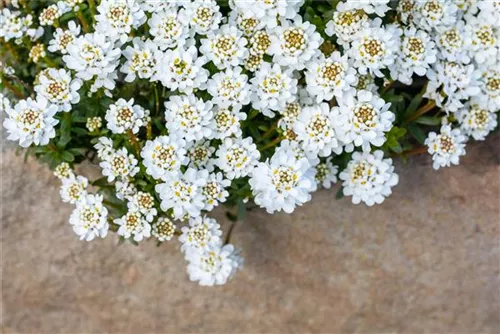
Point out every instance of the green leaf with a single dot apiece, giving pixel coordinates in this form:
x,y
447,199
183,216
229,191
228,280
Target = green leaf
x,y
340,193
428,120
412,107
67,156
417,133
242,211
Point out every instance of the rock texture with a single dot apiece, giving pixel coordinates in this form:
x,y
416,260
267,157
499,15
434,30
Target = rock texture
x,y
427,260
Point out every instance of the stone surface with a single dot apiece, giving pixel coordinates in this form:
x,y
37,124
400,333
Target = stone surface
x,y
427,260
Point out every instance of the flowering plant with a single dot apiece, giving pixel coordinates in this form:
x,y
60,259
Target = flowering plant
x,y
189,104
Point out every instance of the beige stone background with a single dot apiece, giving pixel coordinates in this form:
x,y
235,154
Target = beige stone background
x,y
427,260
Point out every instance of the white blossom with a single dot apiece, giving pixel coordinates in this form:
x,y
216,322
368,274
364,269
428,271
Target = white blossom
x,y
73,189
59,88
475,121
183,193
119,165
133,224
201,233
188,117
229,88
90,218
142,60
225,47
368,178
282,183
213,266
446,147
63,38
31,122
237,157
164,156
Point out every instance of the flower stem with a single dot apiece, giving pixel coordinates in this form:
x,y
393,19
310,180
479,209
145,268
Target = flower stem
x,y
271,144
269,132
134,141
426,108
83,21
7,84
229,233
157,100
149,131
415,151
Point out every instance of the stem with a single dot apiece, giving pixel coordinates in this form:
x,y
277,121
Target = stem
x,y
13,51
149,131
271,144
415,151
157,100
83,21
229,233
92,8
13,89
111,204
426,108
269,132
388,86
134,141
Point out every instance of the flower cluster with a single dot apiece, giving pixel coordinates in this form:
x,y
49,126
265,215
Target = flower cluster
x,y
186,105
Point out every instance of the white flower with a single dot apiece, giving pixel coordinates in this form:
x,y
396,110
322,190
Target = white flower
x,y
226,122
229,88
133,223
431,14
214,191
204,16
489,84
93,123
116,18
345,25
90,218
267,11
476,122
73,189
406,10
374,48
169,28
37,52
213,266
63,171
202,232
282,183
362,120
164,156
63,38
50,15
273,89
378,7
326,174
446,147
457,81
245,21
489,11
93,56
142,60
183,193
368,178
124,116
260,43
418,52
120,165
329,77
225,47
293,148
200,156
152,6
289,116
69,5
451,43
104,148
483,39
314,129
125,189
58,88
144,203
367,82
237,157
189,117
183,70
163,229
296,44
13,25
31,122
